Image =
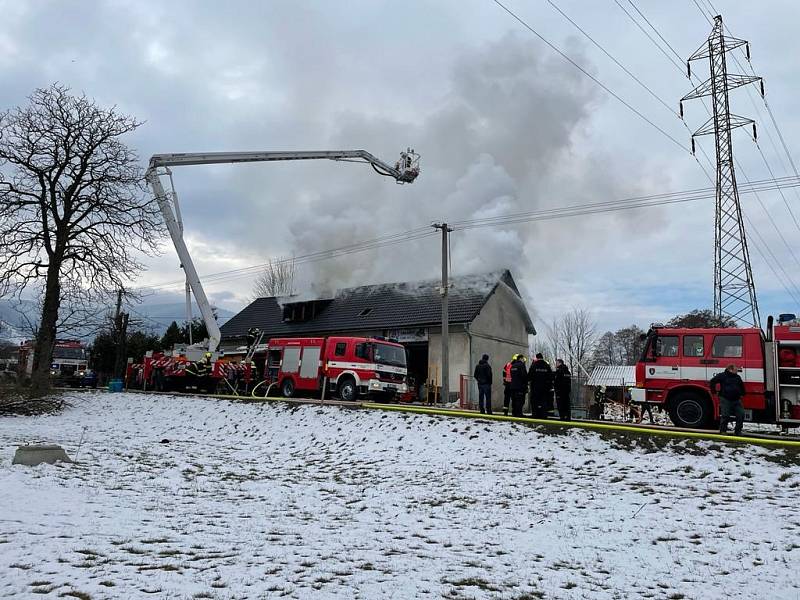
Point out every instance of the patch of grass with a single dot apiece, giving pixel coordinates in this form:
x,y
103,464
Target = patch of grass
x,y
158,540
367,566
108,583
569,585
747,474
664,538
169,553
75,594
785,476
134,550
477,582
38,583
20,566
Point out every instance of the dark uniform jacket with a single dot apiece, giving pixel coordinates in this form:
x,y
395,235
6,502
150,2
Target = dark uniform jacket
x,y
562,381
540,376
519,377
483,373
731,386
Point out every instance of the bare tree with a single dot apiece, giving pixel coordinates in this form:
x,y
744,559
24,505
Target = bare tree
x,y
73,212
573,337
277,279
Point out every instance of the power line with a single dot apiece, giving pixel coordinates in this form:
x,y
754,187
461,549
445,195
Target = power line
x,y
589,75
658,33
616,62
650,37
600,207
421,233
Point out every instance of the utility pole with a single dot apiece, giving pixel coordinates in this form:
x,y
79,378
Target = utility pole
x,y
445,316
121,335
734,289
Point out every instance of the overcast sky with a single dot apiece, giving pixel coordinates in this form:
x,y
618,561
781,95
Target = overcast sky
x,y
503,125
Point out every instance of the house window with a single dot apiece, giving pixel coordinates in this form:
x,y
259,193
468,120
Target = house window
x,y
340,349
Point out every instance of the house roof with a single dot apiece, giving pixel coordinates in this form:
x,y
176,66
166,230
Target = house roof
x,y
613,376
383,306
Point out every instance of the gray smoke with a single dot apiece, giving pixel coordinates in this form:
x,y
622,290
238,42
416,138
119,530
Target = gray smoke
x,y
503,140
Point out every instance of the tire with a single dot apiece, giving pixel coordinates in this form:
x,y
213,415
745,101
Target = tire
x,y
691,411
287,388
348,391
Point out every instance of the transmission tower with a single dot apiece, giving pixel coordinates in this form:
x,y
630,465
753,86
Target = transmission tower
x,y
734,289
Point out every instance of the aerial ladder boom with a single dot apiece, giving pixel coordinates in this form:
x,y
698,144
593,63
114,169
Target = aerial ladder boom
x,y
404,170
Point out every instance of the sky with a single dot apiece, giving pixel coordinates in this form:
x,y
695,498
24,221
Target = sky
x,y
503,125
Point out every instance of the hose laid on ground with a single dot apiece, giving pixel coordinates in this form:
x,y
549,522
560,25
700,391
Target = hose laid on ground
x,y
258,385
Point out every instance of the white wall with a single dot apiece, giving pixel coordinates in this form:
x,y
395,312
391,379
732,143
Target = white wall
x,y
499,331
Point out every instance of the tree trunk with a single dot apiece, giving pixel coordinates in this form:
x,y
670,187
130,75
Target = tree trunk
x,y
46,338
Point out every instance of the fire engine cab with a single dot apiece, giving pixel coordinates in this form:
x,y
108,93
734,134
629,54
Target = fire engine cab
x,y
677,364
352,366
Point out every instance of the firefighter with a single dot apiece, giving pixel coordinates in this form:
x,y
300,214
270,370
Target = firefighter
x,y
597,407
731,390
483,375
201,370
507,385
562,384
540,377
518,385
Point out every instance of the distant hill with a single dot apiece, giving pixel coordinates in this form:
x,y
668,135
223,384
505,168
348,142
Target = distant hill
x,y
153,318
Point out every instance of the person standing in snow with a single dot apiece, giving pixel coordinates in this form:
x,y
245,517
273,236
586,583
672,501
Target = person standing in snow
x,y
483,375
541,380
519,384
507,386
731,390
562,384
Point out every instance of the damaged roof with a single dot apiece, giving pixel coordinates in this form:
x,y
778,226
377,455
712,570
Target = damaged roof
x,y
382,306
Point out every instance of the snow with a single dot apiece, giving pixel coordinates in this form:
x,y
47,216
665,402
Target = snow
x,y
271,500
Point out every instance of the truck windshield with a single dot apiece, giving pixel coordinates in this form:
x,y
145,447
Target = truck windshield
x,y
390,355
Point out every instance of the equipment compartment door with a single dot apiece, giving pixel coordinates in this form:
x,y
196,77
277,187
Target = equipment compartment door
x,y
309,368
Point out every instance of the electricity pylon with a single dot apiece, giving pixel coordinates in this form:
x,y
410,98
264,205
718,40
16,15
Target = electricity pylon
x,y
734,289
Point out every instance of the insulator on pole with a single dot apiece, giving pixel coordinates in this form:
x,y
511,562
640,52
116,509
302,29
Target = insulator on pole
x,y
755,133
689,69
747,50
681,108
693,148
762,88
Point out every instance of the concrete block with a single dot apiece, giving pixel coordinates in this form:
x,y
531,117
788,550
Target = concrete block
x,y
37,454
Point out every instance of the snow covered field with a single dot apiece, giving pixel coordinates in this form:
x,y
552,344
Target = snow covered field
x,y
270,500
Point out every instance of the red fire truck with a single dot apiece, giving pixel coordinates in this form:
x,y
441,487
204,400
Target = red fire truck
x,y
677,364
352,366
162,373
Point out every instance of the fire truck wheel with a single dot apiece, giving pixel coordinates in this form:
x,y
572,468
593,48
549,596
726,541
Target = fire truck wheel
x,y
348,390
691,411
287,388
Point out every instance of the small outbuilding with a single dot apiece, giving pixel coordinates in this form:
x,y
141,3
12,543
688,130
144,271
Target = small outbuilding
x,y
487,315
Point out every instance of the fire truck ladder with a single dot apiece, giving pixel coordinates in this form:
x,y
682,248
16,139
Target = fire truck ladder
x,y
404,170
